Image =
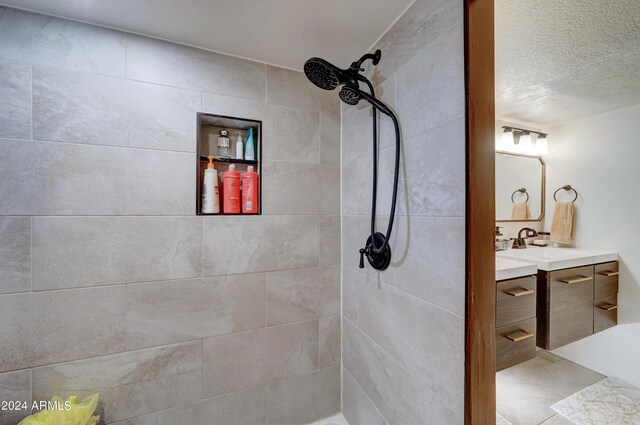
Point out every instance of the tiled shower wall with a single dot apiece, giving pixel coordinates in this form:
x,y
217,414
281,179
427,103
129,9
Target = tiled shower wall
x,y
109,280
403,329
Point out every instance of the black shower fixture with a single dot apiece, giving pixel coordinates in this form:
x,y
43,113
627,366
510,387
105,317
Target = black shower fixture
x,y
328,77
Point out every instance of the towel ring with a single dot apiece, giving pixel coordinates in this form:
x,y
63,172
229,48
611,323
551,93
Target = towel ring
x,y
567,188
521,190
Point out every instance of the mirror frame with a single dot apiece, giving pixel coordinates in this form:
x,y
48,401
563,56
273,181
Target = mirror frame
x,y
542,189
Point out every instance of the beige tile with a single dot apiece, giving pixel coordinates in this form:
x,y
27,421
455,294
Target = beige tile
x,y
292,88
130,384
176,65
241,360
396,393
435,171
292,188
56,326
351,282
15,98
330,245
356,406
329,189
260,243
246,407
329,330
430,93
45,40
305,398
182,310
355,232
357,131
557,420
330,136
15,387
432,351
291,134
93,109
302,294
15,254
85,251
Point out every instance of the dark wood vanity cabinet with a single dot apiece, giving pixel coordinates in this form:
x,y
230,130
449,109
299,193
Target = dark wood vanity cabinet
x,y
515,321
575,303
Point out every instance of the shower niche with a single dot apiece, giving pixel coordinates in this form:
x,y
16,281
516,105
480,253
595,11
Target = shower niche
x,y
212,148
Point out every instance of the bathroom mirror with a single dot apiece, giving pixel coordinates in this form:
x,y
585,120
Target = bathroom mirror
x,y
520,181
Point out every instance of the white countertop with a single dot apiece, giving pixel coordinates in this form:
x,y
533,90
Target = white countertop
x,y
510,269
550,259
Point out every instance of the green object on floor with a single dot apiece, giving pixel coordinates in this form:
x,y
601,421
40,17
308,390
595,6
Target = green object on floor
x,y
66,412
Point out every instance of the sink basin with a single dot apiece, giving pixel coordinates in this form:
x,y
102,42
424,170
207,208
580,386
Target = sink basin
x,y
510,269
550,259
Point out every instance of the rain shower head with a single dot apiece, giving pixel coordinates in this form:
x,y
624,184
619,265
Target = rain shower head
x,y
324,74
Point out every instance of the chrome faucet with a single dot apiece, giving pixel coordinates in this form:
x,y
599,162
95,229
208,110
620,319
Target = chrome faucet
x,y
521,241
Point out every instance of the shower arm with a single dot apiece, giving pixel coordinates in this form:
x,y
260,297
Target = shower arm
x,y
377,105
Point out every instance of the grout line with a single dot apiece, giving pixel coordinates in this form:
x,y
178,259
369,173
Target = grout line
x,y
345,370
32,99
31,255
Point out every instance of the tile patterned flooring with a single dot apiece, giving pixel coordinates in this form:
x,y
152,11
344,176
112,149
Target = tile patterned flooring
x,y
526,392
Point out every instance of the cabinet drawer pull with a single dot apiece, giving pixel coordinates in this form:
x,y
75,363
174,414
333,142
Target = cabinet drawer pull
x,y
609,273
575,279
519,335
518,292
608,307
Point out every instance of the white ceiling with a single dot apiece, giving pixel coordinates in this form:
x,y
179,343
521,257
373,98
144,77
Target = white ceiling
x,y
559,60
279,32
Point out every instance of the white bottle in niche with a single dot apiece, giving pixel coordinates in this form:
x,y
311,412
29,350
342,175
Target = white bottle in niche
x,y
239,146
210,191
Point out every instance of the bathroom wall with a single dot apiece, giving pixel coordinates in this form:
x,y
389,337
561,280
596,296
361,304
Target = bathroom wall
x,y
598,157
403,328
109,280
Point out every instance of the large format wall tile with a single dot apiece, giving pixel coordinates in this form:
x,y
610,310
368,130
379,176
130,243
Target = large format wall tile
x,y
175,65
292,88
84,251
55,326
429,260
330,137
356,407
93,109
73,179
246,407
165,312
292,188
45,40
329,189
15,98
397,394
15,254
259,243
329,228
303,399
431,351
15,387
435,171
329,329
130,384
245,359
302,294
431,92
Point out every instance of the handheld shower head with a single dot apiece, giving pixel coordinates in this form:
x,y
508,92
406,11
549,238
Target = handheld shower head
x,y
326,75
351,95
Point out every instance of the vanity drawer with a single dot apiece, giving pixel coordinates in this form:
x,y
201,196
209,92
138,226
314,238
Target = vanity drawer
x,y
606,275
515,300
515,343
605,313
570,306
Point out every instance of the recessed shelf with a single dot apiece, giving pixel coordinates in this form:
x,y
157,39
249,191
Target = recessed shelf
x,y
209,127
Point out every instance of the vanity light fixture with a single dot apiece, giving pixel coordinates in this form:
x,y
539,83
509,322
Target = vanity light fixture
x,y
520,140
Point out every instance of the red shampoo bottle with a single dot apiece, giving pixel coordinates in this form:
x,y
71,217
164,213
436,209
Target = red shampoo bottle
x,y
231,192
250,191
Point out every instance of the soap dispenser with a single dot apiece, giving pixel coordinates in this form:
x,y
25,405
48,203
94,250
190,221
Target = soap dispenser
x,y
223,145
239,146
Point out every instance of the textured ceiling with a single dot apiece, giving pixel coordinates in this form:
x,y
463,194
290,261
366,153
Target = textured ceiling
x,y
559,60
279,32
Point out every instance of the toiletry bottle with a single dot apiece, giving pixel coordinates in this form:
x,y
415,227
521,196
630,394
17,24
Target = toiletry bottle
x,y
250,191
239,146
231,191
223,144
210,194
249,147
